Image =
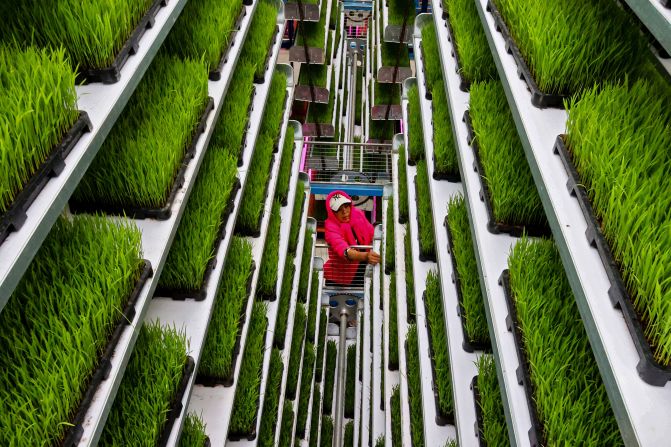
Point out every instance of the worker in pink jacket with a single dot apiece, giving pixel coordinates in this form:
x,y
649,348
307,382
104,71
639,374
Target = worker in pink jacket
x,y
347,226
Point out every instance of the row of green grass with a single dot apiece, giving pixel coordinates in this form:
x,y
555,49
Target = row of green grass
x,y
321,345
193,432
138,163
395,54
253,198
414,388
409,278
433,71
445,160
267,282
287,425
296,214
326,438
427,237
514,197
396,439
570,45
150,383
271,400
571,400
91,33
204,28
313,306
349,434
393,359
314,416
306,385
313,74
313,34
494,429
350,381
619,138
415,130
476,63
37,107
218,360
401,11
389,252
58,321
402,187
386,94
306,266
286,161
296,351
323,113
473,304
285,302
329,376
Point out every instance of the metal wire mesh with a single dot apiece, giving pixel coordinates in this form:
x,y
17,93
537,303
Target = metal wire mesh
x,y
350,163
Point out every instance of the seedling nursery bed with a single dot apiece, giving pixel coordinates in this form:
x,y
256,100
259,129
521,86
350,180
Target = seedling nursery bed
x,y
211,381
153,213
485,196
15,216
468,346
464,84
200,294
523,377
479,424
423,257
648,368
538,98
261,79
215,74
176,405
101,373
112,73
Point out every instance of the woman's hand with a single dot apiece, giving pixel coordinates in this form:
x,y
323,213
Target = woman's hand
x,y
372,257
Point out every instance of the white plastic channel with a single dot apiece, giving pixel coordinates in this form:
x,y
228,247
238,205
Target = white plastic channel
x,y
157,237
462,363
433,433
641,410
194,317
103,103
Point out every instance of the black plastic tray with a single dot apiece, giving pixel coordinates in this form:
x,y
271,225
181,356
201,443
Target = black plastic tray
x,y
445,176
648,368
200,294
102,371
666,3
464,84
112,73
485,196
212,381
442,419
468,346
431,257
479,423
15,216
539,99
269,53
164,212
215,74
176,406
522,372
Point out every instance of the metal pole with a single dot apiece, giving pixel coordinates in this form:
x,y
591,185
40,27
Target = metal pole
x,y
340,384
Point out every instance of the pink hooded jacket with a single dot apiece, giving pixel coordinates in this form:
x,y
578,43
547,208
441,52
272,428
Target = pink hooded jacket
x,y
339,237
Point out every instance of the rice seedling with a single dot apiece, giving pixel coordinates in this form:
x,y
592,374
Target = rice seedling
x,y
326,438
427,237
204,28
58,322
284,175
247,394
414,387
389,252
150,383
271,400
193,432
472,303
433,72
295,353
393,325
323,321
627,190
329,376
401,12
513,195
285,302
313,34
402,187
253,199
260,41
195,243
306,264
445,160
296,214
312,74
494,429
350,381
306,385
92,34
409,279
286,431
476,63
219,351
571,45
313,306
379,442
435,317
267,281
569,395
415,130
314,418
396,439
323,113
38,107
387,94
395,55
349,434
138,163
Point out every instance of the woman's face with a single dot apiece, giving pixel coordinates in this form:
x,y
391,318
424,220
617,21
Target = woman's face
x,y
343,212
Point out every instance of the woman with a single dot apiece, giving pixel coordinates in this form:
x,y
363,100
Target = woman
x,y
347,226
